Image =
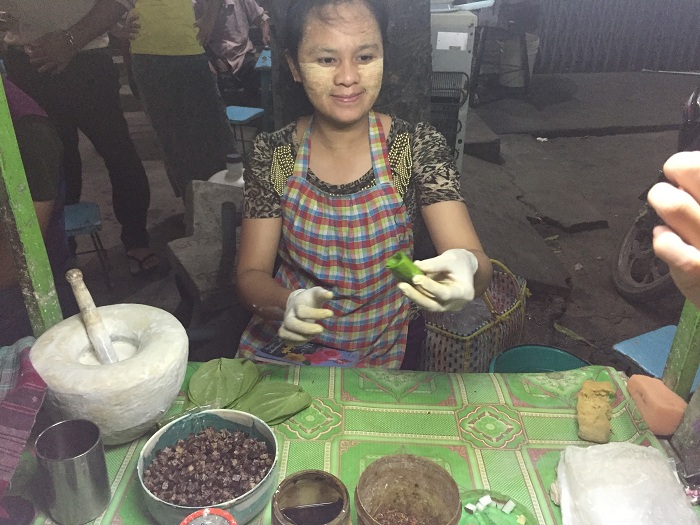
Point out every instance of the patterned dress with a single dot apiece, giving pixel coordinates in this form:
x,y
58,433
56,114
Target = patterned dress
x,y
282,186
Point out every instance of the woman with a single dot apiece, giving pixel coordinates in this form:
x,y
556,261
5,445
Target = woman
x,y
334,198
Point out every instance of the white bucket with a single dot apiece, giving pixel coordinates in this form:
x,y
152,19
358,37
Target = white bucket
x,y
510,71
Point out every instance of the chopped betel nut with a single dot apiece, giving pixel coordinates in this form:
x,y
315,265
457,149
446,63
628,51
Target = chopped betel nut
x,y
208,468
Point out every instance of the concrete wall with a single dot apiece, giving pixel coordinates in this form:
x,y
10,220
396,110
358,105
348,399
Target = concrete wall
x,y
407,68
618,35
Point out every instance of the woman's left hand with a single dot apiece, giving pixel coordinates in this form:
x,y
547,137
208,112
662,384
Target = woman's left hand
x,y
52,52
448,284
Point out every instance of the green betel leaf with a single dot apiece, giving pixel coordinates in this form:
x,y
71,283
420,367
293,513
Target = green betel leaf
x,y
220,382
273,402
251,376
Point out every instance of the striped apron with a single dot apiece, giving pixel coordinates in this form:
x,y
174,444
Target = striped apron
x,y
341,243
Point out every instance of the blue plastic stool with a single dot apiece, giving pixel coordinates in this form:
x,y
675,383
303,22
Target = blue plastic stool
x,y
84,219
650,351
239,116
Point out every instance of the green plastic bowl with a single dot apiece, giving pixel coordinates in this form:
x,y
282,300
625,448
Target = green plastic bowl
x,y
535,358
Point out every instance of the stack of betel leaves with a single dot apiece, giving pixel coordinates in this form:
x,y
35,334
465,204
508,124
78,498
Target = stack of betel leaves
x,y
237,384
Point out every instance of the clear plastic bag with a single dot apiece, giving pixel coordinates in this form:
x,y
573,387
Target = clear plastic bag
x,y
620,483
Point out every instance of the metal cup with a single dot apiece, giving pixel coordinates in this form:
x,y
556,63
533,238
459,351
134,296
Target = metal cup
x,y
72,465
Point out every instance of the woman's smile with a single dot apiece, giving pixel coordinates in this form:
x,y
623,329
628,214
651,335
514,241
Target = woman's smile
x,y
340,62
348,98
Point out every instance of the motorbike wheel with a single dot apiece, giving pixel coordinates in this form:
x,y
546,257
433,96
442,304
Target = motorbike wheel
x,y
638,274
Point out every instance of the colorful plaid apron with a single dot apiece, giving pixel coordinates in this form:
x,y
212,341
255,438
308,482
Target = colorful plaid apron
x,y
341,243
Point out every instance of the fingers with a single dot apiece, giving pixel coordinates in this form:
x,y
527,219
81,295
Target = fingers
x,y
311,313
683,169
678,209
134,29
303,313
423,301
45,66
295,329
435,265
320,295
301,327
683,261
671,249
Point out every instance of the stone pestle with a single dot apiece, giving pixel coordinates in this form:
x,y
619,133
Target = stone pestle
x,y
96,330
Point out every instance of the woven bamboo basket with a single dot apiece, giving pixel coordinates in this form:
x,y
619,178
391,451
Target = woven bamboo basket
x,y
468,340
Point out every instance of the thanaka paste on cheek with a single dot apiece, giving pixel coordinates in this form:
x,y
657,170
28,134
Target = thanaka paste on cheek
x,y
320,80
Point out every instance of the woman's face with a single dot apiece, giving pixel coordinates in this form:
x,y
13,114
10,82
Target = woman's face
x,y
340,61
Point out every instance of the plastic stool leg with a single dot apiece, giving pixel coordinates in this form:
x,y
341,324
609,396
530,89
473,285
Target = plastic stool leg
x,y
102,257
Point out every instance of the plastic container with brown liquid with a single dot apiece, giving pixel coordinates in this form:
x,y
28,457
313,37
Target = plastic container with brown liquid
x,y
311,497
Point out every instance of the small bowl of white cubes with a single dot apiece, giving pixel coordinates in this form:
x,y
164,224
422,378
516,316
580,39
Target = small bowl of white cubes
x,y
485,506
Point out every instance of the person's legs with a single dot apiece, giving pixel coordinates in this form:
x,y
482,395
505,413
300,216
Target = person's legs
x,y
250,80
181,101
94,85
86,94
49,91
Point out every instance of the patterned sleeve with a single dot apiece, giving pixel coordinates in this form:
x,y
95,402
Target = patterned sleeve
x,y
261,199
434,169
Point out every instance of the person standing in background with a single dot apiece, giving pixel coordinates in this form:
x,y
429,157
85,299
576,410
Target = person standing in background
x,y
57,53
42,153
230,40
177,90
231,51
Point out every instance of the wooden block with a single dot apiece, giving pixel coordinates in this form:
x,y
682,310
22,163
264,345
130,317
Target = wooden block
x,y
661,408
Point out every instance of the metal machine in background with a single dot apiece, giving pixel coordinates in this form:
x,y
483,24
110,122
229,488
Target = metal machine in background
x,y
452,37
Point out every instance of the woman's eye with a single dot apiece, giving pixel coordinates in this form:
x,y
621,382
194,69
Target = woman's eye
x,y
326,61
365,58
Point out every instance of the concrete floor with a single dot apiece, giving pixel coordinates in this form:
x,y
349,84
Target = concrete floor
x,y
605,144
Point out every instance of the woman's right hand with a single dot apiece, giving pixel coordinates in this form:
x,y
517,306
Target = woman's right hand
x,y
127,29
678,204
304,309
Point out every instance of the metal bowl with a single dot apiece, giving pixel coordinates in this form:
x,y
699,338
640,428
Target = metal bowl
x,y
243,508
414,486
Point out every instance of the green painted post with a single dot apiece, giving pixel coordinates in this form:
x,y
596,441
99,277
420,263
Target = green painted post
x,y
22,230
684,359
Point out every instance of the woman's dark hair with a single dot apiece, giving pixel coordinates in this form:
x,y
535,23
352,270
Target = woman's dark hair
x,y
299,10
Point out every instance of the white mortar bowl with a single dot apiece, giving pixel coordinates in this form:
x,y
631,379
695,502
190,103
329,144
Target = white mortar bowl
x,y
126,398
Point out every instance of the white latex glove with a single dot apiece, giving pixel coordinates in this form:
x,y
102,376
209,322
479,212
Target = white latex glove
x,y
448,283
302,311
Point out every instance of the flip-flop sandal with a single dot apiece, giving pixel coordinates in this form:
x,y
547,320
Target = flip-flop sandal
x,y
152,272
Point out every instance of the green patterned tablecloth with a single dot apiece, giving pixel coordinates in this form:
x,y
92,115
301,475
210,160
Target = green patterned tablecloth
x,y
490,431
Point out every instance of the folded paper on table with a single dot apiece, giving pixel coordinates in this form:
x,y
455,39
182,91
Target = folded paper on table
x,y
306,354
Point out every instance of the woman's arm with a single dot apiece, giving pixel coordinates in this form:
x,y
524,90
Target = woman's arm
x,y
299,310
257,288
441,202
450,226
